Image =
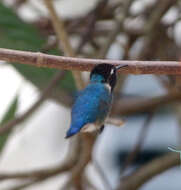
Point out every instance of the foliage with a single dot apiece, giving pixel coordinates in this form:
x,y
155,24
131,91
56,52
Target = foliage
x,y
16,34
9,115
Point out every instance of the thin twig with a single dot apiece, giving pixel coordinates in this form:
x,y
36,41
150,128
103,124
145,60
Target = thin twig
x,y
91,23
59,29
161,8
54,170
77,172
139,144
148,171
115,121
25,185
83,64
67,164
37,176
118,28
45,94
140,105
63,39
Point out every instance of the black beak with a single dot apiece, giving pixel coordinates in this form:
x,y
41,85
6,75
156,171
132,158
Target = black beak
x,y
120,66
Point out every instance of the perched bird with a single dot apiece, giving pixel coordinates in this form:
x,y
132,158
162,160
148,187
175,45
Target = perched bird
x,y
94,102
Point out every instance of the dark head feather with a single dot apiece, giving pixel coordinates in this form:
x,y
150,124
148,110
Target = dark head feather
x,y
108,72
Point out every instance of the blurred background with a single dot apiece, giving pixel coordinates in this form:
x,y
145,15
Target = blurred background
x,y
112,29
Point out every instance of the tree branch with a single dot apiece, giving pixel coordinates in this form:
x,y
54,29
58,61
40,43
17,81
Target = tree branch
x,y
63,39
139,144
82,64
150,170
143,104
38,173
87,141
119,27
45,94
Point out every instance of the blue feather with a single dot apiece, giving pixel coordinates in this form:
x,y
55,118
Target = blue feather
x,y
92,105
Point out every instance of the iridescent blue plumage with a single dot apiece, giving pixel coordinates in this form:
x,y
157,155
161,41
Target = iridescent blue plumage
x,y
93,103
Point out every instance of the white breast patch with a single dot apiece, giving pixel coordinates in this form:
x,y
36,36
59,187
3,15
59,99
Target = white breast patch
x,y
112,71
108,87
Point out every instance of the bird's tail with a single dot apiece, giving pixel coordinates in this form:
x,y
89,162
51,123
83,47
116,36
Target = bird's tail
x,y
71,132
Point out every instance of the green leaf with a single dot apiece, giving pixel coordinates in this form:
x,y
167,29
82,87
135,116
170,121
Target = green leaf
x,y
9,115
16,34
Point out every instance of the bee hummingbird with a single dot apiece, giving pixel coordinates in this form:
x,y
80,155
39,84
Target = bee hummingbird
x,y
93,104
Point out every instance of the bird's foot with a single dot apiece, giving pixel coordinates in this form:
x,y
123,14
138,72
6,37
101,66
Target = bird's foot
x,y
101,129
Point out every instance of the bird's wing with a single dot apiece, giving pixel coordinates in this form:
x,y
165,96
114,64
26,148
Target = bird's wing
x,y
92,105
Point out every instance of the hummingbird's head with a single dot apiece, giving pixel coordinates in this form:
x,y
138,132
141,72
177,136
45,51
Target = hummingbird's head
x,y
105,73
